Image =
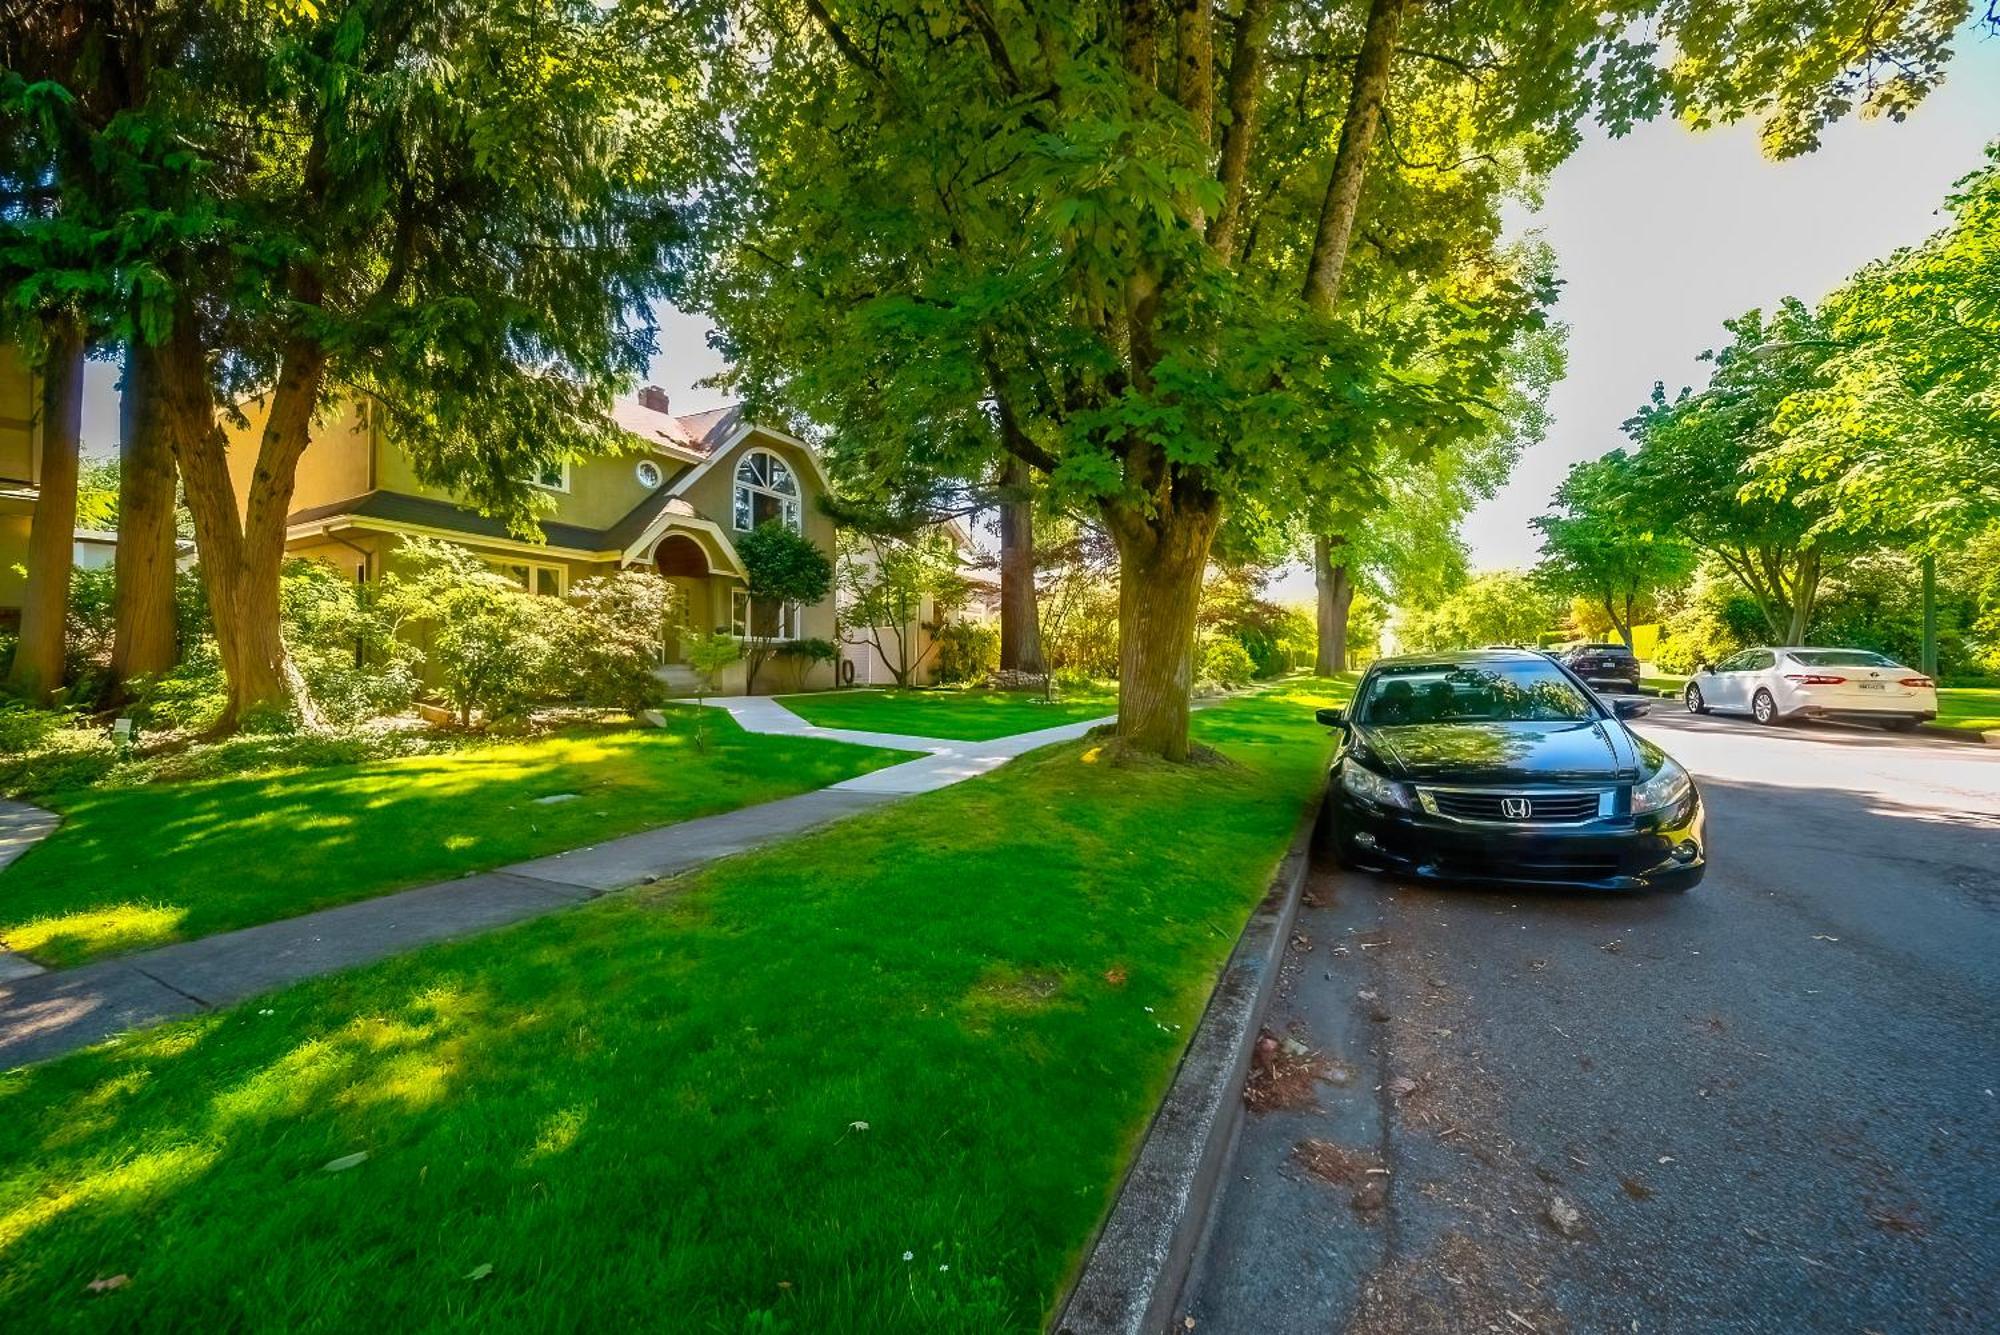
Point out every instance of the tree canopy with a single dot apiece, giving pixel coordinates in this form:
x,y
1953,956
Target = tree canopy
x,y
1604,544
1159,252
1899,428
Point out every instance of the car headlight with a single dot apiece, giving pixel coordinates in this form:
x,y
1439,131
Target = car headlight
x,y
1667,787
1366,783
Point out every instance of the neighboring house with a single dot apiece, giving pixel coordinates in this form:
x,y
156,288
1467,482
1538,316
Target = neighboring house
x,y
862,662
20,474
673,506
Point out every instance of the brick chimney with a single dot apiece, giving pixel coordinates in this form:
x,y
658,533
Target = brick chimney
x,y
652,396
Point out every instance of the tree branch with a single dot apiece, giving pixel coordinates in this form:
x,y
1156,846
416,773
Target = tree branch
x,y
1350,162
1239,130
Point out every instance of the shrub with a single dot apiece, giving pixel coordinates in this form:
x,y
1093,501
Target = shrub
x,y
23,728
41,752
190,695
609,648
1226,662
1072,679
708,655
966,651
488,644
1713,621
344,647
803,655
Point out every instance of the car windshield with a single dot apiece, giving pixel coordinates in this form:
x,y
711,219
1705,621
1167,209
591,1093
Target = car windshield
x,y
1841,658
1513,692
1604,649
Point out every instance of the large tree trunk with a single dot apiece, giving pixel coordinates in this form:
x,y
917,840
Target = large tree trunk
x,y
1020,619
1336,597
1805,592
1161,560
37,669
143,642
242,550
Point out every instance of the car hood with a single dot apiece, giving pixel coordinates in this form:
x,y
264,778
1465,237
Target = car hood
x,y
1500,752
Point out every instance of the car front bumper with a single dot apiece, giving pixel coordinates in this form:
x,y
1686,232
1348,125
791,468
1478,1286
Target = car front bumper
x,y
1614,853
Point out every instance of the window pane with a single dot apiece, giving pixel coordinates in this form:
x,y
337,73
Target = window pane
x,y
781,476
743,521
548,581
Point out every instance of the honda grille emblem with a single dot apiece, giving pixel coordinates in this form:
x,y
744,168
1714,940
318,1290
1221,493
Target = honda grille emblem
x,y
1516,808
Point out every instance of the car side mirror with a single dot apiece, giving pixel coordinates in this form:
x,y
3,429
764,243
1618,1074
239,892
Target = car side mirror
x,y
1630,708
1332,718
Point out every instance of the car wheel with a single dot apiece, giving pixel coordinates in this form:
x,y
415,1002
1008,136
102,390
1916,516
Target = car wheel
x,y
1763,708
1327,841
1691,697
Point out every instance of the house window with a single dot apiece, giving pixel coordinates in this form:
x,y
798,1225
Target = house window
x,y
762,617
649,474
533,577
553,478
765,490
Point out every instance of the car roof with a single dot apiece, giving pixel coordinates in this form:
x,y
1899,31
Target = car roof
x,y
1818,649
1462,657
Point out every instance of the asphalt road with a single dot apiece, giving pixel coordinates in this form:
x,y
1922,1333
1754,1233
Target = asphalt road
x,y
1765,1105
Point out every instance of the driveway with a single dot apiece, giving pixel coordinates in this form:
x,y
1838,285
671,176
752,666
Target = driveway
x,y
1766,1105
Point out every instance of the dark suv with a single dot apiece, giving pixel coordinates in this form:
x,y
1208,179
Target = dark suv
x,y
1604,666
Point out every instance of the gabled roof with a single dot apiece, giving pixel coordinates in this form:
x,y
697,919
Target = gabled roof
x,y
692,437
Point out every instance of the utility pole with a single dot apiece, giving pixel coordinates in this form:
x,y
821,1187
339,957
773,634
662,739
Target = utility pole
x,y
1930,663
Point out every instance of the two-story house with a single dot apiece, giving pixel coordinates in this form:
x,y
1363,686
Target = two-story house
x,y
674,506
20,475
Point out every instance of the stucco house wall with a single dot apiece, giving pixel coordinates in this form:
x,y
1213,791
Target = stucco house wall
x,y
358,497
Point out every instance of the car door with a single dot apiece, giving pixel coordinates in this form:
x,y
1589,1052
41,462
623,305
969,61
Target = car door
x,y
1719,684
1756,674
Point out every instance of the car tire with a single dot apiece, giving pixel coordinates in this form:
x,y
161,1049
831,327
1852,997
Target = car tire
x,y
1764,708
1327,841
1691,697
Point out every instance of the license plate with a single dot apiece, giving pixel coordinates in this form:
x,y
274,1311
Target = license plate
x,y
1872,685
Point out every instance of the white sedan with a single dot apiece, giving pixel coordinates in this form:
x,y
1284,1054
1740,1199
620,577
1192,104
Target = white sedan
x,y
1772,685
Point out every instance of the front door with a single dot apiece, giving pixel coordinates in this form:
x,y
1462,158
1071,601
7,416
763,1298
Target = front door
x,y
688,616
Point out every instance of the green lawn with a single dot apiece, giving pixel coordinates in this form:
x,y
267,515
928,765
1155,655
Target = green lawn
x,y
138,866
880,1078
1974,708
969,715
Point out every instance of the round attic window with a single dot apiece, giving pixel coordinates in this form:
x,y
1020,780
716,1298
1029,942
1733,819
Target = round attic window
x,y
649,474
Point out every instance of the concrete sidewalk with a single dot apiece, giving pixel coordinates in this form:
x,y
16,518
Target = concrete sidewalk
x,y
21,828
49,1013
949,762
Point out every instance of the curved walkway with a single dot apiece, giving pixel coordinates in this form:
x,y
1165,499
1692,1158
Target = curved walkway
x,y
46,1014
21,828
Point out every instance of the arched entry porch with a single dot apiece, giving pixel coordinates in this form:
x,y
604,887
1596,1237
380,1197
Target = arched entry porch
x,y
683,563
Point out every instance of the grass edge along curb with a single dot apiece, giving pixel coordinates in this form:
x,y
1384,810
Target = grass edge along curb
x,y
1136,1266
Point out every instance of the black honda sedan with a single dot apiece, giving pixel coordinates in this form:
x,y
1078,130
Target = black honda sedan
x,y
1501,765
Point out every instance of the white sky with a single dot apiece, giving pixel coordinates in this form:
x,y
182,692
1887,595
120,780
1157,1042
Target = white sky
x,y
1659,237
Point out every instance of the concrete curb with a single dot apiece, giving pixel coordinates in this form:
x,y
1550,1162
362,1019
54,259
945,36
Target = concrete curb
x,y
1132,1278
1990,737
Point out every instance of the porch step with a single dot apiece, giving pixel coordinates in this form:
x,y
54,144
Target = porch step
x,y
680,678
